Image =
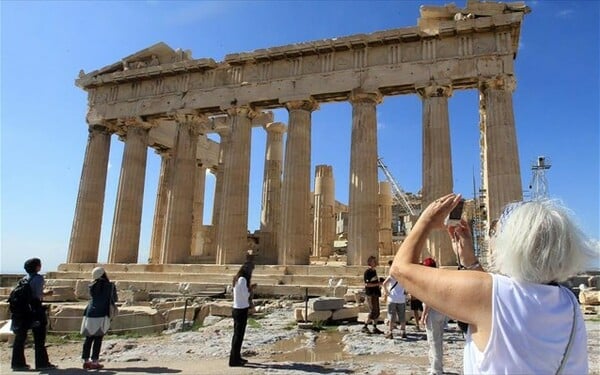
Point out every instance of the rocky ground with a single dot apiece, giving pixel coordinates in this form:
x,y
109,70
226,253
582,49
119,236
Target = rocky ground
x,y
273,345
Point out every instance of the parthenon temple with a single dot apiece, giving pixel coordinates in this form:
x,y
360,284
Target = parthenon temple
x,y
164,99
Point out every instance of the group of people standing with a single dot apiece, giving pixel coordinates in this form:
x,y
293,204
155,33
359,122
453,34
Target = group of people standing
x,y
95,323
534,246
396,297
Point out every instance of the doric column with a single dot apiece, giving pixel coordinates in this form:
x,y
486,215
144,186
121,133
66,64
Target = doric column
x,y
178,231
160,209
87,222
385,218
437,162
271,193
324,211
501,156
225,135
363,232
232,232
125,239
198,210
294,238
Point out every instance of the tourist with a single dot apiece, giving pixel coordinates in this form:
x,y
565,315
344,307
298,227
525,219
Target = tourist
x,y
35,318
373,292
96,317
416,306
534,246
434,323
242,289
396,306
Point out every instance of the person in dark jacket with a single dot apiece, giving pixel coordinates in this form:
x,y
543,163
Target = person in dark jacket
x,y
96,320
35,319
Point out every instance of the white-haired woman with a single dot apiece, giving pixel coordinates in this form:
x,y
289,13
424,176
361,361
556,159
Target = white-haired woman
x,y
96,319
520,320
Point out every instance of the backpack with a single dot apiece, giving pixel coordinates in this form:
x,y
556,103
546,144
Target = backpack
x,y
20,298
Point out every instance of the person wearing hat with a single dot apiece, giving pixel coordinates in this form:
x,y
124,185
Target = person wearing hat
x,y
36,320
96,319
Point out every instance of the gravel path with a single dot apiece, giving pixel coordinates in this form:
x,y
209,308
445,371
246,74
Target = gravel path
x,y
273,345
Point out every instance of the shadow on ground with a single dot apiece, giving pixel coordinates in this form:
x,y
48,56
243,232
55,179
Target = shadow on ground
x,y
305,367
109,371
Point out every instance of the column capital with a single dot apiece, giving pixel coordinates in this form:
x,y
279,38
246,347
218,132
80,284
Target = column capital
x,y
102,127
198,123
244,110
275,127
307,105
434,90
163,152
360,96
505,82
125,124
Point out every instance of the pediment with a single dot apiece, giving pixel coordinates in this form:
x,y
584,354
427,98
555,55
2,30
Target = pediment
x,y
157,54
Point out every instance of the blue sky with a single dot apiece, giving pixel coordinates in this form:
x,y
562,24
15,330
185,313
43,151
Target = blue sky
x,y
43,130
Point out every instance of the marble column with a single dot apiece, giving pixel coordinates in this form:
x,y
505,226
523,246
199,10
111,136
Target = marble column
x,y
232,233
437,163
271,193
363,231
501,155
324,212
160,209
211,246
87,222
178,231
125,239
294,238
385,218
198,210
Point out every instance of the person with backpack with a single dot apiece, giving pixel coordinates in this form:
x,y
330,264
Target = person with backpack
x,y
27,312
96,319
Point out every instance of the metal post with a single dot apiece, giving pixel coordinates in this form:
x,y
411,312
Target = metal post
x,y
184,312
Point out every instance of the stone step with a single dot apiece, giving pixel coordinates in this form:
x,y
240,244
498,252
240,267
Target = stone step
x,y
267,279
182,289
332,269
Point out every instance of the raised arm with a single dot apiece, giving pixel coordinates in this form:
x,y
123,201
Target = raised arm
x,y
462,295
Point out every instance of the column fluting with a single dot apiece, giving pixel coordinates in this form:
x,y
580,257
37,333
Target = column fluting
x,y
363,231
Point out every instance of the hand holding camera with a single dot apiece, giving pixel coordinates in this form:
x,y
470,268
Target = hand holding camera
x,y
456,214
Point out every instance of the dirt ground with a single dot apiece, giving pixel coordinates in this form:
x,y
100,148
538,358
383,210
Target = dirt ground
x,y
272,347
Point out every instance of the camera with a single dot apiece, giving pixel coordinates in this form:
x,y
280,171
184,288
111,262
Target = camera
x,y
456,213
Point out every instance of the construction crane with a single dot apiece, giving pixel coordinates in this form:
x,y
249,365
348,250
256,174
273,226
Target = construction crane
x,y
400,197
539,184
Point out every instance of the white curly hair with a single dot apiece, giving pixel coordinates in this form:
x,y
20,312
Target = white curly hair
x,y
539,242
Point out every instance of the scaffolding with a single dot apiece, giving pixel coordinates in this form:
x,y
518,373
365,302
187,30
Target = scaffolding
x,y
539,184
399,196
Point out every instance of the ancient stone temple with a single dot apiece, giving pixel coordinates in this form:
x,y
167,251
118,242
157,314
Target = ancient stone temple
x,y
164,99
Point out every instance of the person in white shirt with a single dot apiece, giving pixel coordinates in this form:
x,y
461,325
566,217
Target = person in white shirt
x,y
242,288
396,307
520,320
434,323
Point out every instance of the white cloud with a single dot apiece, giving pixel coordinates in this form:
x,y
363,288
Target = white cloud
x,y
565,13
